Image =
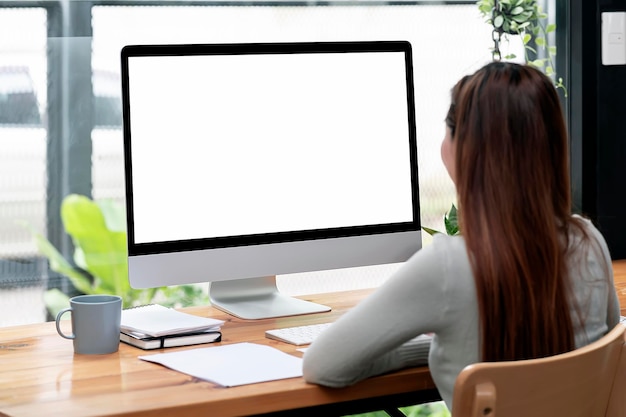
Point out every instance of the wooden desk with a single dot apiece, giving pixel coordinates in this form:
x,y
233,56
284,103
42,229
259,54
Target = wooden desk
x,y
619,274
40,375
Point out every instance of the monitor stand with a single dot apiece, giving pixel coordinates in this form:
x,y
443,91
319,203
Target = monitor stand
x,y
258,298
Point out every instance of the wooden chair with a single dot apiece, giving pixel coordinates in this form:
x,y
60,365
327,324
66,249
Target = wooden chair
x,y
589,382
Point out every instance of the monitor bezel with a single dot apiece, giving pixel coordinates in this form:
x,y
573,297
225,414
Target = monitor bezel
x,y
130,51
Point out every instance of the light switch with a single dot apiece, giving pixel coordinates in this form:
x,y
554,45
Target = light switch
x,y
614,38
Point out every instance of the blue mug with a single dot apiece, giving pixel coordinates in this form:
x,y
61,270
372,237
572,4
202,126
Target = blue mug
x,y
95,323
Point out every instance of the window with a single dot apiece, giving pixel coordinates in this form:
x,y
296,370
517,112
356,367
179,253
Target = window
x,y
22,162
63,134
18,99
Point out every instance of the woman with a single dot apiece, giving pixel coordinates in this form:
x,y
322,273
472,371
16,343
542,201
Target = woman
x,y
526,279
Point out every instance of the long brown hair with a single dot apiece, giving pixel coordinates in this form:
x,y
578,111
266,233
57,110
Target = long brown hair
x,y
513,185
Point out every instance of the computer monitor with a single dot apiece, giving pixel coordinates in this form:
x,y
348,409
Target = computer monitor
x,y
244,161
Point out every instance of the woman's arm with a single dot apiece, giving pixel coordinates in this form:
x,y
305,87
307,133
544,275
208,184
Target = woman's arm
x,y
385,331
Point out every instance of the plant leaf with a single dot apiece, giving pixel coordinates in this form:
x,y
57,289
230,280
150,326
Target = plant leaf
x,y
430,231
114,215
539,63
523,17
551,28
59,264
55,301
485,7
451,222
498,21
99,250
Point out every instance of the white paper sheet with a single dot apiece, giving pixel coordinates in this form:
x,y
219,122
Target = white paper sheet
x,y
232,365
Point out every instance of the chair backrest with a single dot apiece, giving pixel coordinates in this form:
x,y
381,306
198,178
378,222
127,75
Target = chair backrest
x,y
589,382
617,402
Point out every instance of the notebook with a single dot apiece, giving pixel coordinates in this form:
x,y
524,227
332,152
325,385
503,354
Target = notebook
x,y
156,320
145,342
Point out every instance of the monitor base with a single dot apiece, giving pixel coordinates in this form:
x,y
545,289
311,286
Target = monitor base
x,y
258,298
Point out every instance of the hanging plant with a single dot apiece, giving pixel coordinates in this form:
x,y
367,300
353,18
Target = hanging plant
x,y
526,19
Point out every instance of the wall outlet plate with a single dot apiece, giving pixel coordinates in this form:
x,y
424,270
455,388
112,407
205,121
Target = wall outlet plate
x,y
614,38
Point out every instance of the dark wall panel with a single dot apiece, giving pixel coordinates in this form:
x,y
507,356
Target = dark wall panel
x,y
611,147
597,112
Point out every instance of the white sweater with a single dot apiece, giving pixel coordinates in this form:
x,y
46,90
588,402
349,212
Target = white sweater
x,y
434,292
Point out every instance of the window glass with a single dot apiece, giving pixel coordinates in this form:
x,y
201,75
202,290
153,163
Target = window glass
x,y
448,41
18,98
22,162
107,103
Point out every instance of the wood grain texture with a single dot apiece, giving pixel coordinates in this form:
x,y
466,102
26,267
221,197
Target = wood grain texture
x,y
40,375
619,275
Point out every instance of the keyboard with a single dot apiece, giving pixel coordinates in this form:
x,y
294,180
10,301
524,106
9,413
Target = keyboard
x,y
304,335
298,335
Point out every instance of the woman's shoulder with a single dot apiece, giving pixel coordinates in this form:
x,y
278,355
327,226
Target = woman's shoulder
x,y
441,250
449,243
590,230
450,252
588,246
584,220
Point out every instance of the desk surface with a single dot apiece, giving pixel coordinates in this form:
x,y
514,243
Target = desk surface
x,y
619,271
39,373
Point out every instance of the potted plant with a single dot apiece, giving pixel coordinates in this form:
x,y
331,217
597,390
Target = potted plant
x,y
523,18
98,230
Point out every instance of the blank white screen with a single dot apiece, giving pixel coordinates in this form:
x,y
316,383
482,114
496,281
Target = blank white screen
x,y
233,145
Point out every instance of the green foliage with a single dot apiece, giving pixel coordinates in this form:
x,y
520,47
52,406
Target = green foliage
x,y
513,16
450,221
524,18
98,230
436,409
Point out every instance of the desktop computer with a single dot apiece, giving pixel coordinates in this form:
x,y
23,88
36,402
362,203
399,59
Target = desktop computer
x,y
244,161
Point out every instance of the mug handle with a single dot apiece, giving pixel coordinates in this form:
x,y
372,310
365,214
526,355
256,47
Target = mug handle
x,y
58,320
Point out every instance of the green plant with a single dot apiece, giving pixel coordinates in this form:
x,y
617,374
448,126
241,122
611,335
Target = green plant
x,y
435,409
526,19
450,221
98,231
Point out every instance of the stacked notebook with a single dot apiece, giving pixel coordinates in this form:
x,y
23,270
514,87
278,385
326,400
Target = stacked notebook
x,y
154,326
